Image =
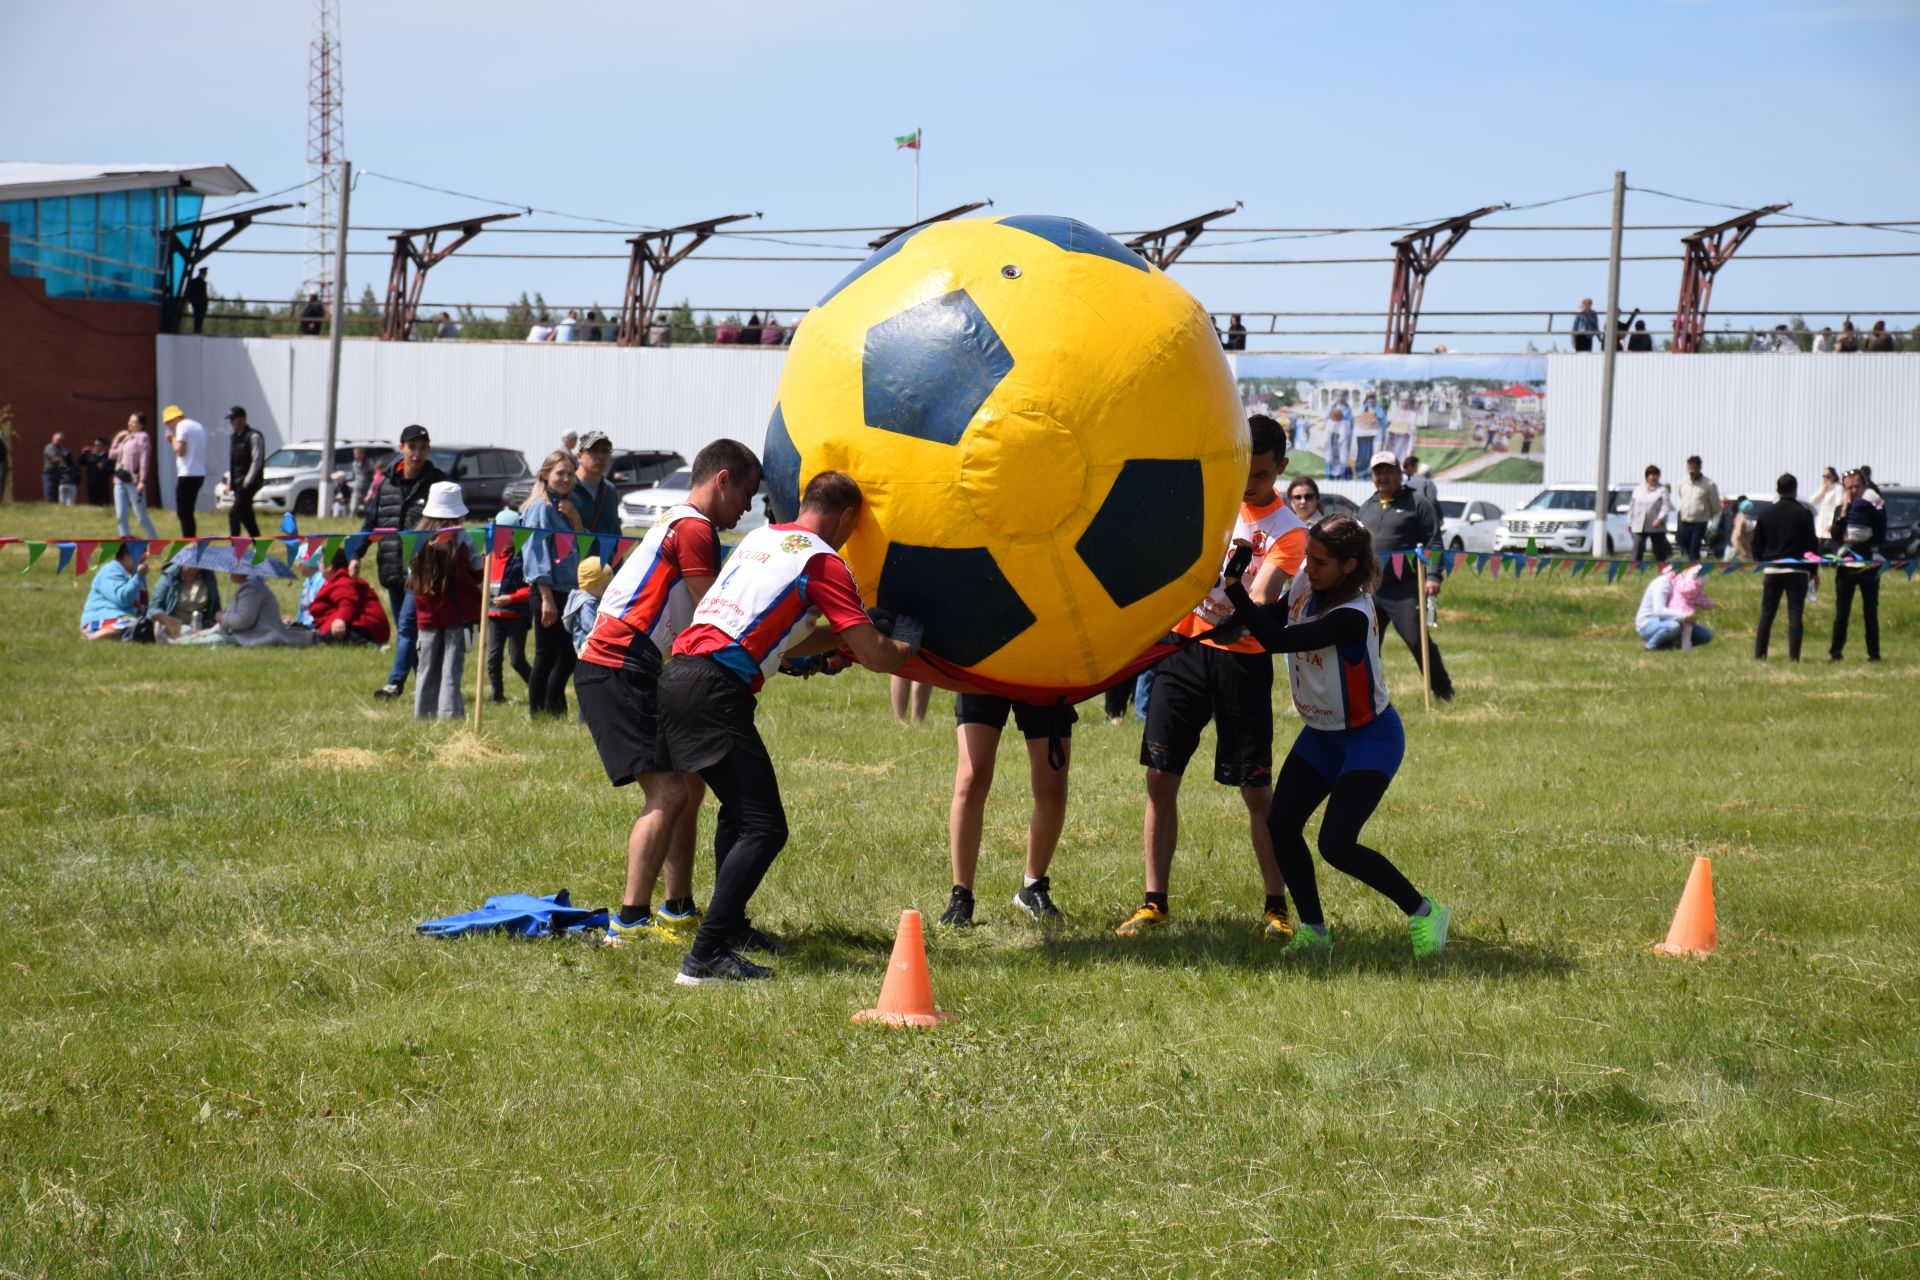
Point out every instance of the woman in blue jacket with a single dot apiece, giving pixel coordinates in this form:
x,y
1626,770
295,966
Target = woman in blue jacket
x,y
553,572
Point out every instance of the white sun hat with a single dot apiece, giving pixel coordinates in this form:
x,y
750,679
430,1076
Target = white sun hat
x,y
445,501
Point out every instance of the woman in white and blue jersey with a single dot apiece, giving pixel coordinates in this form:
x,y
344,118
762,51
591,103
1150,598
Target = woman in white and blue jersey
x,y
1352,742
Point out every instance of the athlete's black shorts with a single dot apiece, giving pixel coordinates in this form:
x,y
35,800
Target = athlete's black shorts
x,y
706,715
1234,690
1034,720
622,713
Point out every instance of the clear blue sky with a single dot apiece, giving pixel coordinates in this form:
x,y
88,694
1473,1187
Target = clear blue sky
x,y
1126,115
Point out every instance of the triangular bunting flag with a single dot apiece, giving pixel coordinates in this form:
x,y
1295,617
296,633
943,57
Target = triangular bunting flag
x,y
1399,564
1479,562
563,544
261,549
607,544
520,537
625,546
1446,562
66,557
180,545
242,548
83,554
1493,564
477,539
409,541
1613,571
34,551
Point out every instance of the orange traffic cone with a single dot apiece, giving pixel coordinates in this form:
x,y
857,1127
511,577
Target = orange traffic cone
x,y
906,997
1693,932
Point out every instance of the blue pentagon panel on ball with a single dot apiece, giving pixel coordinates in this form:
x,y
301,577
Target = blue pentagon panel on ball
x,y
963,627
1149,530
879,256
1074,236
927,371
781,462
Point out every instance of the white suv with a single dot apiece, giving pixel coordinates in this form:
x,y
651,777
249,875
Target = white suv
x,y
290,480
1559,520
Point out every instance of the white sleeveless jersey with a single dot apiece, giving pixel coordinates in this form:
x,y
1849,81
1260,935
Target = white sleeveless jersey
x,y
759,599
1339,687
1261,530
646,597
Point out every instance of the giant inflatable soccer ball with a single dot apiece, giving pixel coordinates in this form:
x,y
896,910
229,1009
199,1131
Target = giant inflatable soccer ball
x,y
1049,440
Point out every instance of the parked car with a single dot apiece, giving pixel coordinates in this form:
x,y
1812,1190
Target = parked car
x,y
643,508
629,470
1468,526
1903,522
290,480
1559,520
483,472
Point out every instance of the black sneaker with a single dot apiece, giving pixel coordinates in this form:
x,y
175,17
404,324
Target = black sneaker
x,y
748,938
388,691
725,967
1036,900
959,913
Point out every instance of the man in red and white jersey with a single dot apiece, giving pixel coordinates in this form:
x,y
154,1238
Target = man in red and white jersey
x,y
649,602
1226,678
762,610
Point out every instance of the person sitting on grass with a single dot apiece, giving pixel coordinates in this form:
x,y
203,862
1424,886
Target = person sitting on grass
x,y
1660,621
346,609
252,619
117,600
1352,742
188,596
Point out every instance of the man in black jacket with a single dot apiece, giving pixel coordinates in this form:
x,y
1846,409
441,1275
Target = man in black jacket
x,y
1400,520
1859,526
399,495
246,466
1783,533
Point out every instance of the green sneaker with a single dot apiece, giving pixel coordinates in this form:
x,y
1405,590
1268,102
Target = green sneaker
x,y
649,926
1430,930
1309,942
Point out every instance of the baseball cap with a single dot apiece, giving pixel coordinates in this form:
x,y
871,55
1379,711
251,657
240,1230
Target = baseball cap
x,y
592,438
1383,458
413,432
238,411
172,413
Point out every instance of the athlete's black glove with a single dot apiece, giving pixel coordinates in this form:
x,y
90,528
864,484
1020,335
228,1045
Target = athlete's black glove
x,y
882,620
908,632
1238,562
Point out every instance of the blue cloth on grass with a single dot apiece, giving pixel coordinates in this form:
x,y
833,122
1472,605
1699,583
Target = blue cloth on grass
x,y
521,914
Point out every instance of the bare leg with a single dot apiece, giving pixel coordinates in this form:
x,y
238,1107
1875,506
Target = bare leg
x,y
666,795
1259,800
899,688
1162,828
679,864
1049,804
972,779
922,696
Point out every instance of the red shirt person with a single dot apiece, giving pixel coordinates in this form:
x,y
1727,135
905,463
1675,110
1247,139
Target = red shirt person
x,y
347,608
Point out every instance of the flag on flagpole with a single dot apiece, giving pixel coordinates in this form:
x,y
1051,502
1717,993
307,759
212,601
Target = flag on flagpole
x,y
908,141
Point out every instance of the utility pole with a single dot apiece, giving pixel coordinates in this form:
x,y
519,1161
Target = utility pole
x,y
1602,485
337,330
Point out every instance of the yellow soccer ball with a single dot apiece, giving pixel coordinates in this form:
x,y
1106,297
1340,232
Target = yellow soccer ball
x,y
1047,434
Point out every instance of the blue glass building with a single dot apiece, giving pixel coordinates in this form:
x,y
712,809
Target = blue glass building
x,y
98,231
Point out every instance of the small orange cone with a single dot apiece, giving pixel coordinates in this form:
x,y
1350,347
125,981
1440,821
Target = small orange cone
x,y
906,997
1693,932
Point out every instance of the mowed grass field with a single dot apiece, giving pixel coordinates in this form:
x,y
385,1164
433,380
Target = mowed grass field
x,y
227,1053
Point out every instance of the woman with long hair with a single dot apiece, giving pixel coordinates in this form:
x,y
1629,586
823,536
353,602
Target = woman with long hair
x,y
553,576
1352,742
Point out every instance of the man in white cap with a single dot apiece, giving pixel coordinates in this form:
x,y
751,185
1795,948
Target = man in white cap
x,y
188,440
1401,520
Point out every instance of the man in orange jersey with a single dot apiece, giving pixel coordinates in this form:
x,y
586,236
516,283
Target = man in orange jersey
x,y
1228,679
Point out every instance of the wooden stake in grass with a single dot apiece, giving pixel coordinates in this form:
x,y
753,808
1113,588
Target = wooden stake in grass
x,y
486,594
1426,652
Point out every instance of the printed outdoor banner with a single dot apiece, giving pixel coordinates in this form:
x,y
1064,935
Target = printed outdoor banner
x,y
1478,418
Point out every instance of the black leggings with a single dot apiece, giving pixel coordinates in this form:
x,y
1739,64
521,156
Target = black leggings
x,y
507,641
1351,800
552,668
751,830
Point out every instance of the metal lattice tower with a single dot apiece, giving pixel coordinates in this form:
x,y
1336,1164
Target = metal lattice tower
x,y
326,147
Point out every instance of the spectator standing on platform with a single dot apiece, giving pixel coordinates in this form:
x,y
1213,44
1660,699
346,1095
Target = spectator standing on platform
x,y
728,334
1647,517
569,330
132,454
96,465
445,329
1785,341
1400,520
771,334
1823,341
750,333
196,295
1782,540
188,440
313,316
1848,343
660,332
246,465
1878,339
1236,339
1585,325
1696,502
1640,339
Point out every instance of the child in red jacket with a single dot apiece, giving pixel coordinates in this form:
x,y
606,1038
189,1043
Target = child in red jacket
x,y
445,580
346,610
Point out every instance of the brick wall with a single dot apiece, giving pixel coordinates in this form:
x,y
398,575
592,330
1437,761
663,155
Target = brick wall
x,y
69,364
